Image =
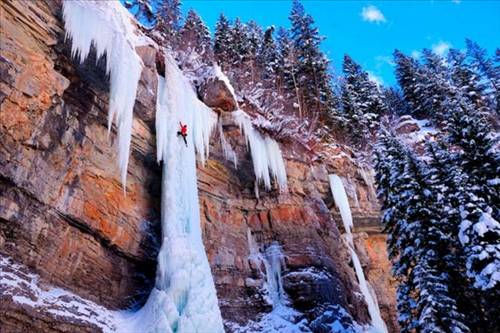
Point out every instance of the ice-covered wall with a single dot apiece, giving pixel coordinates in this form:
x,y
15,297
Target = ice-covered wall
x,y
108,27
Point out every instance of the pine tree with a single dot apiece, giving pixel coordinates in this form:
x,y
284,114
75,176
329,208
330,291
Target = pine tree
x,y
418,241
267,57
395,101
361,99
390,168
485,66
239,48
195,35
468,130
449,182
312,64
168,20
480,209
222,41
465,79
482,63
288,68
437,89
411,79
255,36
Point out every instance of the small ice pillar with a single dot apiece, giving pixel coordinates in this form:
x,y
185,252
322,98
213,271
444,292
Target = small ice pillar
x,y
274,259
340,197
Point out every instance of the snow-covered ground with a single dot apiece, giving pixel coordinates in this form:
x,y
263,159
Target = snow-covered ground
x,y
24,288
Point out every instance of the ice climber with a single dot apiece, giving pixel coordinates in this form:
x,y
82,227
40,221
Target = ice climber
x,y
183,132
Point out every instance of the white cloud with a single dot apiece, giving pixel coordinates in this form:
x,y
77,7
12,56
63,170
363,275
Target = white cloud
x,y
456,1
372,14
441,47
375,78
384,60
416,54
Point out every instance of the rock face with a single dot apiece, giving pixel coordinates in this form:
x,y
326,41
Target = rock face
x,y
215,93
64,214
63,211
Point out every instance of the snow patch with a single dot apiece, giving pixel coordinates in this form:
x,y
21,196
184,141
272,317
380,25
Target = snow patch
x,y
26,289
217,72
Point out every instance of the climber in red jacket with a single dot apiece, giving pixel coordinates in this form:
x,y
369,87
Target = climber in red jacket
x,y
183,132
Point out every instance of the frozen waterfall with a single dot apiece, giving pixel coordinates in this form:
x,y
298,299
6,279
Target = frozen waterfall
x,y
340,197
184,297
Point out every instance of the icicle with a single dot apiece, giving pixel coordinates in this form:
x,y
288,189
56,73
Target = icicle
x,y
184,298
108,26
266,153
340,197
368,177
227,150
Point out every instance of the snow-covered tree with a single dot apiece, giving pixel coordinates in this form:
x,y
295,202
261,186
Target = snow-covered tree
x,y
480,308
313,77
465,79
486,67
267,56
418,241
468,130
362,101
222,41
195,35
168,20
480,209
239,48
483,63
436,86
411,80
395,101
390,168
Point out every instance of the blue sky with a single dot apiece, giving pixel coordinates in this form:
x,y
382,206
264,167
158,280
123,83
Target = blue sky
x,y
370,30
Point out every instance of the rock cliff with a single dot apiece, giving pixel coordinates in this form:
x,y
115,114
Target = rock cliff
x,y
65,218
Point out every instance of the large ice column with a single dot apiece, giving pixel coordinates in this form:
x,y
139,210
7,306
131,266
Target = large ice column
x,y
184,297
266,154
108,26
340,197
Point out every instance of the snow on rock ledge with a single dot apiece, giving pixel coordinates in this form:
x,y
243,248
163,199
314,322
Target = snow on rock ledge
x,y
108,26
216,91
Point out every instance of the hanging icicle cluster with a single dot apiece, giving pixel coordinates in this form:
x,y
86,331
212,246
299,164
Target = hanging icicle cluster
x,y
108,26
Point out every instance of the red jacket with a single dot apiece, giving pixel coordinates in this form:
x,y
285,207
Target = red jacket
x,y
184,129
